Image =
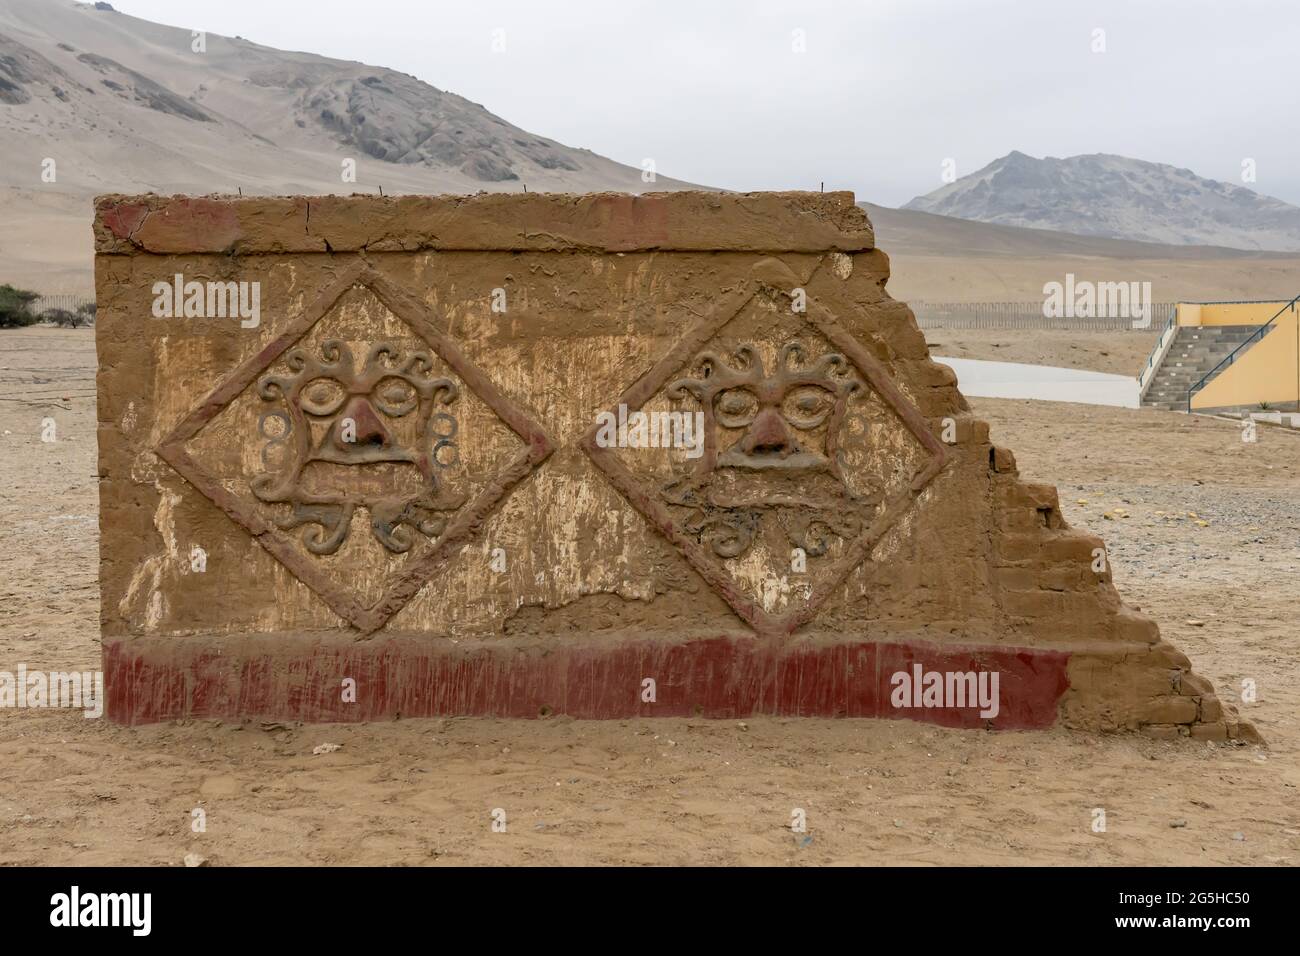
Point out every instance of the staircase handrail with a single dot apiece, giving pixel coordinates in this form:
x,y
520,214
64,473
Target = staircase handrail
x,y
1231,357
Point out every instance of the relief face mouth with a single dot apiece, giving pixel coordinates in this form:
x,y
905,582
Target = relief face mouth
x,y
769,442
363,482
792,486
763,461
361,433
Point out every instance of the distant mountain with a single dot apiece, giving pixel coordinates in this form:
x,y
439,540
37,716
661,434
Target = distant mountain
x,y
127,104
944,259
1119,198
121,104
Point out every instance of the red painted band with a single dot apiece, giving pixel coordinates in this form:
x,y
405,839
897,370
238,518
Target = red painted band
x,y
716,677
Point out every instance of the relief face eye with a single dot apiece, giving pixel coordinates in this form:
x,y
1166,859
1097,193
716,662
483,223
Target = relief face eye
x,y
807,406
322,396
736,408
394,397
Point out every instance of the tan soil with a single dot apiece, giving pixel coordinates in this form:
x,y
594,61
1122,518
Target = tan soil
x,y
1119,353
78,791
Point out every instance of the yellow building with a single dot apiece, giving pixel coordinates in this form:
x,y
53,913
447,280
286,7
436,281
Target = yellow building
x,y
1221,355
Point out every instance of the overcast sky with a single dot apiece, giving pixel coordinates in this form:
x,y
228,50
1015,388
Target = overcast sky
x,y
885,90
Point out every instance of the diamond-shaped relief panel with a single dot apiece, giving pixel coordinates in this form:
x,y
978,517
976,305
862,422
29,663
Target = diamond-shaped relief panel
x,y
421,443
358,451
771,458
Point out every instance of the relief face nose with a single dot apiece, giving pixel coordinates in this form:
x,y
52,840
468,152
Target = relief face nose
x,y
769,435
370,431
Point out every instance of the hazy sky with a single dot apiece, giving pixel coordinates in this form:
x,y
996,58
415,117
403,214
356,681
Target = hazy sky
x,y
885,90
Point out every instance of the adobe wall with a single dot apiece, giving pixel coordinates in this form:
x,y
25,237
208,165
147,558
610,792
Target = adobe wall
x,y
419,470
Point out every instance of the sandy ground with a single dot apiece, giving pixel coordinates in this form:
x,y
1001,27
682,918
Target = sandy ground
x,y
78,791
1119,353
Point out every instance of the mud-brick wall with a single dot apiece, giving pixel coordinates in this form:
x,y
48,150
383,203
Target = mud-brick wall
x,y
411,426
554,308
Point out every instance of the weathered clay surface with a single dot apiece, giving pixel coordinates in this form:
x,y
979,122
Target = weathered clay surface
x,y
400,476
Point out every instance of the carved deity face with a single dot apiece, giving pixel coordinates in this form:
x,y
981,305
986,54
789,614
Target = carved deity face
x,y
783,421
771,451
379,412
352,430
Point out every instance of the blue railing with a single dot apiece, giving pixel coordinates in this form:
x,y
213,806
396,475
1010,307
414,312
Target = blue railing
x,y
1255,336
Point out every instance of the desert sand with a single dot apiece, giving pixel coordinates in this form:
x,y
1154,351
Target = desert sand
x,y
1117,353
79,791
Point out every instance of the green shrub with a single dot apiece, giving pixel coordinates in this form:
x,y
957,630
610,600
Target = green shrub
x,y
16,307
